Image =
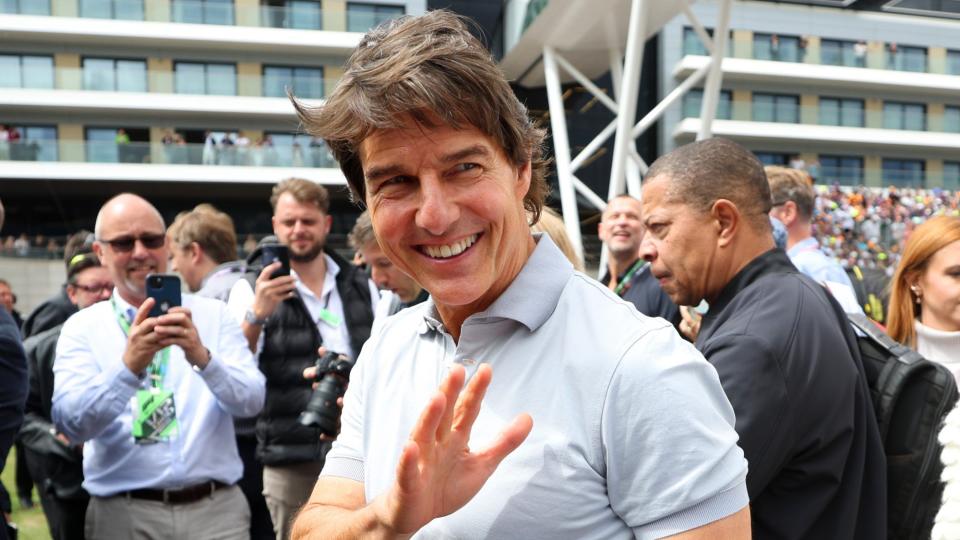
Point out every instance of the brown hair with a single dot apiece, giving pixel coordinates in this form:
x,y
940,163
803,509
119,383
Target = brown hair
x,y
702,172
362,232
428,67
210,228
791,185
923,243
303,191
551,223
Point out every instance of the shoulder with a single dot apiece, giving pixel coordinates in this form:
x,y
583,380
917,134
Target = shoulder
x,y
203,305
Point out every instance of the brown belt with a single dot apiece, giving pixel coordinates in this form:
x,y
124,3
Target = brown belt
x,y
186,495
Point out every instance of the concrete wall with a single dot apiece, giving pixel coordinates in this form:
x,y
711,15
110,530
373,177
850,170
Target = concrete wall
x,y
32,280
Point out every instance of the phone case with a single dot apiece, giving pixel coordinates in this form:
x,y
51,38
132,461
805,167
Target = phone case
x,y
165,288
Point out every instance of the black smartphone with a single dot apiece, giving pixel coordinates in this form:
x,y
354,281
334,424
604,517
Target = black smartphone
x,y
276,252
165,289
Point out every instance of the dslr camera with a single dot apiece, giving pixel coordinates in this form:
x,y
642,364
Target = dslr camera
x,y
322,412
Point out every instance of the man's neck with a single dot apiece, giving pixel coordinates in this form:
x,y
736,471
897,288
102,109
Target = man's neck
x,y
618,264
749,247
312,273
795,236
131,298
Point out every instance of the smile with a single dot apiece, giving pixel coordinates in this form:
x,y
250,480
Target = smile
x,y
449,250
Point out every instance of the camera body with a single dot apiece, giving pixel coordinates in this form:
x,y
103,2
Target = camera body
x,y
322,412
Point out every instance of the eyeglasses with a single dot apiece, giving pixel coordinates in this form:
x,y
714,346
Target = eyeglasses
x,y
96,288
124,244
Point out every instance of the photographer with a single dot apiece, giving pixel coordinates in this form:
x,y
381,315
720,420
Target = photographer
x,y
153,398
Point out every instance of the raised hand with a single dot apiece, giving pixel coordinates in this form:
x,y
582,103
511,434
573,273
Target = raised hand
x,y
142,341
437,473
176,328
268,293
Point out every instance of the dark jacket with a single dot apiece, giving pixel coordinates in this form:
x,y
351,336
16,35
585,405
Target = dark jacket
x,y
57,467
13,383
290,342
806,424
52,312
645,293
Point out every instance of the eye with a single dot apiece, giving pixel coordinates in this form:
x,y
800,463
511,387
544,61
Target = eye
x,y
468,169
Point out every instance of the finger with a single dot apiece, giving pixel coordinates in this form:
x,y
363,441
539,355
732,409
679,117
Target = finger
x,y
468,406
184,311
267,270
425,430
408,468
321,351
144,311
450,388
509,439
310,373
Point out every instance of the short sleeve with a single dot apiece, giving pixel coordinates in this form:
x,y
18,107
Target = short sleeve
x,y
668,438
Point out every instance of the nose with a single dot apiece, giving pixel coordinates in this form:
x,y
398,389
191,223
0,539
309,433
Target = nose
x,y
379,277
437,211
140,251
648,251
105,292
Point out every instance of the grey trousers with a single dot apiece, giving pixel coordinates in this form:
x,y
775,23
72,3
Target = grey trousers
x,y
286,488
223,516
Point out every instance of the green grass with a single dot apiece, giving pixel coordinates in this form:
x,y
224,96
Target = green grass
x,y
31,523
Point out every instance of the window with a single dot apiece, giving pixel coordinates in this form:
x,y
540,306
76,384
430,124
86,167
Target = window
x,y
903,172
201,78
363,17
773,158
897,115
114,75
693,45
951,175
203,11
693,100
845,170
777,47
305,82
835,52
35,143
118,145
902,58
951,119
841,112
953,62
302,14
25,7
26,71
776,108
131,10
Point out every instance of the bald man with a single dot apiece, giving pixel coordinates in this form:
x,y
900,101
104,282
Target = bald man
x,y
153,398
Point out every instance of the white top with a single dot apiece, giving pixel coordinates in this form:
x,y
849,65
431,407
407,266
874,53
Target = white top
x,y
335,337
939,346
632,433
94,391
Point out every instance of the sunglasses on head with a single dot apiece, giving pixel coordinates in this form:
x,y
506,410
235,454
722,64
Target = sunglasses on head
x,y
124,244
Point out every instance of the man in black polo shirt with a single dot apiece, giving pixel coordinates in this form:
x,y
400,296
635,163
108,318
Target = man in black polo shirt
x,y
621,230
802,404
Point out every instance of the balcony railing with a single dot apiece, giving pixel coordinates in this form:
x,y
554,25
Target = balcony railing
x,y
302,154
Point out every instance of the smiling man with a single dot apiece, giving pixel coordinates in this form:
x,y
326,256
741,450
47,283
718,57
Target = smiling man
x,y
577,435
628,276
803,408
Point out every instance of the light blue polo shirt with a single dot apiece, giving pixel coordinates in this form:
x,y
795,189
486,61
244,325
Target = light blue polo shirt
x,y
632,433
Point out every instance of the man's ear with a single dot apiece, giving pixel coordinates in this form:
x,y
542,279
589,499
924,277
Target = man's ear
x,y
789,213
727,220
196,252
98,251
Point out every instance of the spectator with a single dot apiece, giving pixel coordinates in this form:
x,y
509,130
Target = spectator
x,y
209,156
402,290
552,224
803,408
22,245
451,185
324,301
793,204
924,310
151,398
56,310
627,275
203,250
55,463
8,300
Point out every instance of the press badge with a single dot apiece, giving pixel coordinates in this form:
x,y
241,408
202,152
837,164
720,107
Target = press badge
x,y
154,416
329,317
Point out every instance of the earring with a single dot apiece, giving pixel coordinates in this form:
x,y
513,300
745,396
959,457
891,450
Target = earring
x,y
916,293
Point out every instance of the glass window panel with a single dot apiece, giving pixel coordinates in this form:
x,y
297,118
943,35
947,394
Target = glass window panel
x,y
131,76
953,62
851,113
101,9
102,145
789,49
304,15
221,79
308,82
25,7
762,48
187,11
773,158
41,142
130,10
217,11
951,175
98,74
831,52
892,116
845,170
692,43
951,119
787,109
190,78
360,17
10,76
37,72
915,117
275,80
692,102
903,172
829,112
763,108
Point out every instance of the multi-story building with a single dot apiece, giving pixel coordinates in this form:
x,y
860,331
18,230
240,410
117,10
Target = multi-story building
x,y
181,100
857,97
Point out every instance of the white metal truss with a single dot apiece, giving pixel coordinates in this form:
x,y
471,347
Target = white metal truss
x,y
625,69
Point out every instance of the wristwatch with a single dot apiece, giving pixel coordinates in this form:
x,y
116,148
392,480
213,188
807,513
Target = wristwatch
x,y
251,318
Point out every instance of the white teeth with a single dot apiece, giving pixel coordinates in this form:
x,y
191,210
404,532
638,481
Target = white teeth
x,y
450,250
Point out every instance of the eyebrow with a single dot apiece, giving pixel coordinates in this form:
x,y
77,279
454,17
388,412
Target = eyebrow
x,y
477,150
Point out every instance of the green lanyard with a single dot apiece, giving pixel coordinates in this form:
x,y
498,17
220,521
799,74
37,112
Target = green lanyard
x,y
158,367
622,286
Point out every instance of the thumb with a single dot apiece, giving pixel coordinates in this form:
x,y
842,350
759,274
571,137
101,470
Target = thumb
x,y
144,311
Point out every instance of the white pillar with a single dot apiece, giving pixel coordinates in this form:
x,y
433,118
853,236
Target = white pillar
x,y
627,97
711,90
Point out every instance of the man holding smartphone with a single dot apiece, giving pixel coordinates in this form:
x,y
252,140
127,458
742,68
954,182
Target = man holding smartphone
x,y
323,301
152,398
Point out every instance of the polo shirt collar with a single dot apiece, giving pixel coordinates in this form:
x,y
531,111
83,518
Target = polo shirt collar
x,y
532,296
807,244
